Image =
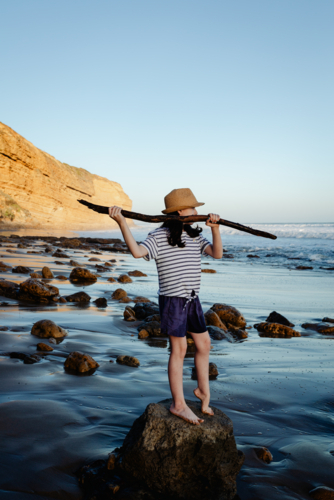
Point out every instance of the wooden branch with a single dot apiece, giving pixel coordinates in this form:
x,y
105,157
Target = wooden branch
x,y
191,218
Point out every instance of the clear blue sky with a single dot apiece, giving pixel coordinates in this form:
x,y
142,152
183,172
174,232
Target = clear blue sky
x,y
233,99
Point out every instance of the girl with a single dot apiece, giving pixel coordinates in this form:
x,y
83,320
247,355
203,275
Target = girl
x,y
176,248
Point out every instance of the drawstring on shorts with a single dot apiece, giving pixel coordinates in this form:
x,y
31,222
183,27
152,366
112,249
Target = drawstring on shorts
x,y
189,299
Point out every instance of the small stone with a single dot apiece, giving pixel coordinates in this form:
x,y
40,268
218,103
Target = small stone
x,y
319,327
213,372
328,320
212,319
46,328
22,270
47,273
80,362
322,493
143,334
108,264
240,334
275,330
219,334
111,461
62,300
302,268
74,263
253,256
44,347
61,277
81,274
71,243
229,315
111,280
210,271
118,294
125,300
136,273
129,314
78,297
94,259
60,255
101,302
153,328
145,309
128,360
141,299
124,278
275,317
263,454
3,328
36,275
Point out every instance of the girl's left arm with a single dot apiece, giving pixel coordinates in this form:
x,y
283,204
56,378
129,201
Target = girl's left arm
x,y
216,249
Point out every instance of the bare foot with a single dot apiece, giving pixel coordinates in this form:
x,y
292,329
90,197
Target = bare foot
x,y
186,414
205,401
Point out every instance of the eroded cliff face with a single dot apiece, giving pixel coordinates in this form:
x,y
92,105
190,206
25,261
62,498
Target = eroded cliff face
x,y
38,191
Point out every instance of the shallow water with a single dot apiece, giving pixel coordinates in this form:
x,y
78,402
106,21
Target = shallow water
x,y
279,393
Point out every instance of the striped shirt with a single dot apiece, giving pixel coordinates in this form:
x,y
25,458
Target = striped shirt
x,y
179,269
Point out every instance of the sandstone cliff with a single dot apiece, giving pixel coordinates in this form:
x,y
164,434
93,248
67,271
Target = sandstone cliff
x,y
38,191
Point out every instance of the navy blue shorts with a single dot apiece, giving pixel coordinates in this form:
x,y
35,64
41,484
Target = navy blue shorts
x,y
177,320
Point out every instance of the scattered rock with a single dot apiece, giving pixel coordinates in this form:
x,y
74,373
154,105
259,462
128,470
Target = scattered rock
x,y
141,299
301,268
94,259
44,347
108,264
213,372
322,493
210,271
36,276
328,320
61,277
47,273
81,274
228,256
275,317
144,309
72,243
153,328
124,278
46,328
275,330
60,255
327,268
101,302
129,314
217,333
111,280
160,449
62,300
212,319
22,270
34,290
263,454
229,315
78,297
4,267
240,334
3,328
143,334
125,300
74,263
60,263
128,360
136,273
319,327
253,256
118,294
80,363
26,358
9,289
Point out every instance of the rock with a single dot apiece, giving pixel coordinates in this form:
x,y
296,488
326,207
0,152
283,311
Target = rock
x,y
118,294
129,314
47,273
22,270
263,454
82,275
275,317
108,264
229,315
36,275
136,273
275,330
111,280
153,328
211,271
71,243
48,249
60,255
228,256
143,334
212,319
213,372
74,263
319,327
94,259
128,360
240,334
144,309
78,297
4,267
252,256
62,300
3,328
322,493
178,460
34,290
141,299
125,300
9,289
219,334
328,320
61,277
101,302
60,263
301,268
153,317
26,358
44,347
124,278
80,363
46,328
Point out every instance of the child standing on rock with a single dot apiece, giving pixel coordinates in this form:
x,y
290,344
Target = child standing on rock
x,y
176,248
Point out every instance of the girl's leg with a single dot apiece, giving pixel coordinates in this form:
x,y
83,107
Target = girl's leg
x,y
175,375
202,392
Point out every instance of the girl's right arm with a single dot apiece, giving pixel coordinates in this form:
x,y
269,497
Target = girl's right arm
x,y
137,251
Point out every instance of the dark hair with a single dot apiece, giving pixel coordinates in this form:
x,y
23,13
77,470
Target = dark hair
x,y
175,231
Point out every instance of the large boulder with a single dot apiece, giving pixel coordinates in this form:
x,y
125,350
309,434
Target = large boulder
x,y
46,328
275,330
177,460
34,290
79,362
79,274
229,315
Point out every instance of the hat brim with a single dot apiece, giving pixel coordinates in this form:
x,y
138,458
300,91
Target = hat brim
x,y
183,207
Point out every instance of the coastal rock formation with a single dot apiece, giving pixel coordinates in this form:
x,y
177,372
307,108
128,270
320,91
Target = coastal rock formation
x,y
34,290
38,191
319,327
46,328
79,274
229,315
178,460
118,294
275,317
80,363
82,297
275,330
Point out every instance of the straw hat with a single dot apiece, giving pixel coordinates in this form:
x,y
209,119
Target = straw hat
x,y
179,199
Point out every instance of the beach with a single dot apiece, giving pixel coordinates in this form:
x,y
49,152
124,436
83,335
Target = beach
x,y
278,392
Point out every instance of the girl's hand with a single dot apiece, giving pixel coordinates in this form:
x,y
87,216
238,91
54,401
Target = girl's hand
x,y
212,220
115,213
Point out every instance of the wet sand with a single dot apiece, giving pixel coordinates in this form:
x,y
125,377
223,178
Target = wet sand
x,y
279,393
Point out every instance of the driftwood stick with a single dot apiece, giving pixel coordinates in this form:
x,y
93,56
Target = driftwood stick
x,y
191,218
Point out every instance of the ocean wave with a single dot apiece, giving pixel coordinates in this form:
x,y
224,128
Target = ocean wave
x,y
298,231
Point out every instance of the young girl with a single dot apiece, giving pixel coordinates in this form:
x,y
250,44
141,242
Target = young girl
x,y
176,248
